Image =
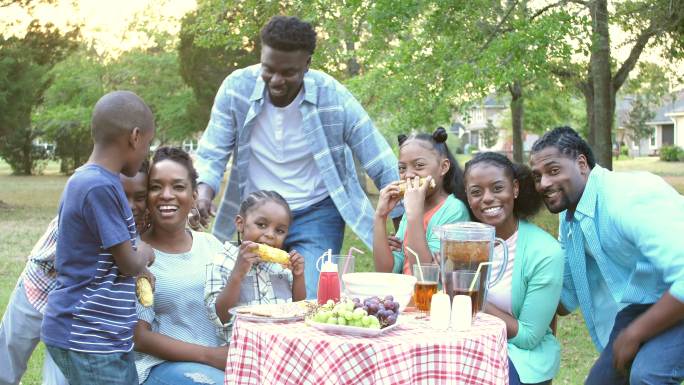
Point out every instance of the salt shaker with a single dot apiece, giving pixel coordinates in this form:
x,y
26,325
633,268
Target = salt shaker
x,y
440,310
461,313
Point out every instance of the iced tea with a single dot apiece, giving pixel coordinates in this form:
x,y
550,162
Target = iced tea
x,y
422,295
458,283
475,300
465,255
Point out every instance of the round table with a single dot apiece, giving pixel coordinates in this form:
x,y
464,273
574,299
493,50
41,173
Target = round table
x,y
412,353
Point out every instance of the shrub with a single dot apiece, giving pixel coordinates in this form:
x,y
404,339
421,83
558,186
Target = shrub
x,y
671,153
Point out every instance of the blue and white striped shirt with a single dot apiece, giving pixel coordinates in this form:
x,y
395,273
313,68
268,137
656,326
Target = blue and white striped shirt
x,y
623,245
92,309
178,310
335,126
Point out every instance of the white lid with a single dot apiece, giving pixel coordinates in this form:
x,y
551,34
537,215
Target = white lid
x,y
329,267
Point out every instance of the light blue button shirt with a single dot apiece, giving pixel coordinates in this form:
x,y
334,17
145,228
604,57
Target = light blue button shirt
x,y
335,127
632,225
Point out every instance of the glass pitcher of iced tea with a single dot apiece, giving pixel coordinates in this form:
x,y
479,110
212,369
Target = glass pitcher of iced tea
x,y
463,247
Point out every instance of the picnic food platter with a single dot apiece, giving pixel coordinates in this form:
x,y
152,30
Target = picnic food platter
x,y
354,331
368,318
274,312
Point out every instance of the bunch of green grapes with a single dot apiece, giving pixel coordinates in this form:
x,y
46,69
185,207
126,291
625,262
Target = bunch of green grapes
x,y
355,313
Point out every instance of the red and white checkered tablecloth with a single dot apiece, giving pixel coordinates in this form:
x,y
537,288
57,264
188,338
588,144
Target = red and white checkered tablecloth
x,y
412,353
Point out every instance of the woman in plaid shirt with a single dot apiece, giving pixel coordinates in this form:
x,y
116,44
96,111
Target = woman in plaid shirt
x,y
239,277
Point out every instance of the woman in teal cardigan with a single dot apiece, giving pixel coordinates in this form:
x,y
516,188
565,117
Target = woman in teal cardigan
x,y
502,194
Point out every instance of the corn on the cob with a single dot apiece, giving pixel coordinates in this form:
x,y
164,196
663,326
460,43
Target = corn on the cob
x,y
271,254
402,185
143,289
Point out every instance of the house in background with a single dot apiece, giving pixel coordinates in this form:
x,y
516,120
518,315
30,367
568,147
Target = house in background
x,y
668,123
471,127
623,136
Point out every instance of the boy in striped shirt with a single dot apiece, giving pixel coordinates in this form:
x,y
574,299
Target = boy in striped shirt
x,y
20,326
90,316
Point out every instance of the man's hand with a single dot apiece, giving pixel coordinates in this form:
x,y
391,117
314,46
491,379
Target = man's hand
x,y
296,263
201,217
625,348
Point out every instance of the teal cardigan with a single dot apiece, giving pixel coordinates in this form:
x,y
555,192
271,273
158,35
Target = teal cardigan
x,y
535,291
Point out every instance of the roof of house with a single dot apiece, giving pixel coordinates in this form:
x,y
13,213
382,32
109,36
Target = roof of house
x,y
671,104
493,101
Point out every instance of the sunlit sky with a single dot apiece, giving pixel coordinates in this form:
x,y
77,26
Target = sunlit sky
x,y
105,23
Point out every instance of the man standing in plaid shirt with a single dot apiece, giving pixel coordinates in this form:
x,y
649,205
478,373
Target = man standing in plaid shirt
x,y
20,327
296,131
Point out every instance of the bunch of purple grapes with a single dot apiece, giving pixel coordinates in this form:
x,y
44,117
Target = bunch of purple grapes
x,y
386,310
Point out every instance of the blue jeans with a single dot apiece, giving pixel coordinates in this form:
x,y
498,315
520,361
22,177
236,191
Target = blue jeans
x,y
659,361
19,335
314,230
184,373
514,378
95,368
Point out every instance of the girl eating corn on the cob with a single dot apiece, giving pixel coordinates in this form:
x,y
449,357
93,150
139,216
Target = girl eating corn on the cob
x,y
431,186
175,341
257,271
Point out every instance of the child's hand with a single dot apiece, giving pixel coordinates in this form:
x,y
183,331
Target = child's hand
x,y
394,242
146,251
389,197
246,257
296,263
414,197
150,277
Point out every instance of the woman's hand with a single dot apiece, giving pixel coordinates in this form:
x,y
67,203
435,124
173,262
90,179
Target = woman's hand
x,y
246,257
394,242
217,357
296,263
414,197
389,197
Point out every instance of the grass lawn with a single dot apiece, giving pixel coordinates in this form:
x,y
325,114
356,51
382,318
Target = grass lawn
x,y
28,203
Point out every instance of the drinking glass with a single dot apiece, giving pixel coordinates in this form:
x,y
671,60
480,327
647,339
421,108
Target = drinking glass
x,y
345,265
426,286
459,282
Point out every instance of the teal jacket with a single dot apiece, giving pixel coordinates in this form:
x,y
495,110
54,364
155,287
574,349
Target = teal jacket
x,y
536,286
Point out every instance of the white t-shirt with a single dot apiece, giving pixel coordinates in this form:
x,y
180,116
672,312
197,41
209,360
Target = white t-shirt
x,y
280,156
500,294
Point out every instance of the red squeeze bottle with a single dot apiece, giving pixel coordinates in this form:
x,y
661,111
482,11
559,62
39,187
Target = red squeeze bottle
x,y
328,283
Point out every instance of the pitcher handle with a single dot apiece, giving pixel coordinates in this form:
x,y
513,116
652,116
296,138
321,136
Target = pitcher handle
x,y
503,265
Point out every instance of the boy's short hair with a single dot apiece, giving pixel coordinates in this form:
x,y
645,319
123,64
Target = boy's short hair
x,y
288,33
117,113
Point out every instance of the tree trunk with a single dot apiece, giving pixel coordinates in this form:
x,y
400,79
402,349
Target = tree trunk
x,y
517,112
603,95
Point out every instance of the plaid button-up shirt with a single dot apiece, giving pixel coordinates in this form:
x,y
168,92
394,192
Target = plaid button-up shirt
x,y
265,283
39,275
335,126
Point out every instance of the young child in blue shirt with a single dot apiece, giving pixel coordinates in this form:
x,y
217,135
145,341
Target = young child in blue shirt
x,y
90,316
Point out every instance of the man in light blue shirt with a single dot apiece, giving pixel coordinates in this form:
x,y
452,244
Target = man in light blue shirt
x,y
623,235
295,131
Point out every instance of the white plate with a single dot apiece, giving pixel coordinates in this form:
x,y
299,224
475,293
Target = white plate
x,y
257,318
350,330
